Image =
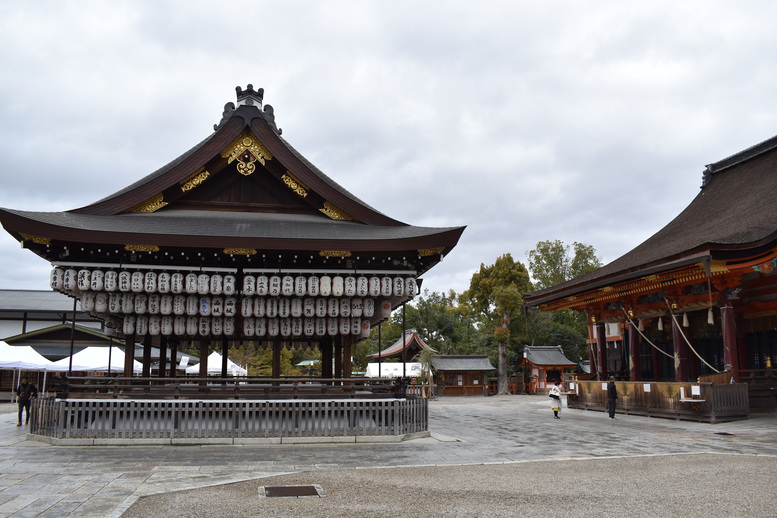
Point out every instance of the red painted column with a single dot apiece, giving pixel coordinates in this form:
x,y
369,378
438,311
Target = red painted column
x,y
730,349
680,351
601,349
635,366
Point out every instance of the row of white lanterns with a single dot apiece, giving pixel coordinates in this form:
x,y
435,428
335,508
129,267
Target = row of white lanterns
x,y
192,305
252,327
72,280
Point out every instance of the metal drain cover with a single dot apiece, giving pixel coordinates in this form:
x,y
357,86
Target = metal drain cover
x,y
291,491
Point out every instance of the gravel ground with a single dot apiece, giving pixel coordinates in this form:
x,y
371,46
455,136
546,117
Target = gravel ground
x,y
706,485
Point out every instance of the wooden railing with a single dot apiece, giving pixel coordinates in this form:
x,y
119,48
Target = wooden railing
x,y
706,402
106,421
96,387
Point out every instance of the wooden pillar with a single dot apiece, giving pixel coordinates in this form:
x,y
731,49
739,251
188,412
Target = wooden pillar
x,y
601,348
730,349
129,355
224,357
276,358
326,357
680,353
204,349
174,358
146,356
162,373
635,365
347,349
338,354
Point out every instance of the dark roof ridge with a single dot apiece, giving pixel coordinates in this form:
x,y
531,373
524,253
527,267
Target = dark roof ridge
x,y
737,158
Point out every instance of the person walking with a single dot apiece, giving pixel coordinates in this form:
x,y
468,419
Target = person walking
x,y
612,396
24,394
555,399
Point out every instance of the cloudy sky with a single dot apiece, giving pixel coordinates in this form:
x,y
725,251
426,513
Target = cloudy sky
x,y
526,121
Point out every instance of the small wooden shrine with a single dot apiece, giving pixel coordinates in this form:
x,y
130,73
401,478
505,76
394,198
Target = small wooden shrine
x,y
404,350
459,375
546,366
698,299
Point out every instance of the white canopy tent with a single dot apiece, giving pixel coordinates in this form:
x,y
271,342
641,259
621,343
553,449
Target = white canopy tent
x,y
214,366
96,359
393,370
23,357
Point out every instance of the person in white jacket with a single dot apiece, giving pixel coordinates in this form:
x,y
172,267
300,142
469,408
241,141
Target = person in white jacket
x,y
555,399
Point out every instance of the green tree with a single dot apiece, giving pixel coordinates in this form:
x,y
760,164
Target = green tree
x,y
496,294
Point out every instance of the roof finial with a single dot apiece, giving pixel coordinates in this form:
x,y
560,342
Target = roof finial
x,y
249,96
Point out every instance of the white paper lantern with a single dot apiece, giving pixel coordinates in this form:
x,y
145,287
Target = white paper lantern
x,y
149,282
313,285
325,286
287,285
357,307
141,301
249,285
362,286
284,307
141,325
246,307
167,325
332,326
154,303
321,307
345,307
399,286
309,307
271,307
217,306
111,281
285,324
166,304
229,285
369,307
128,327
179,305
374,287
321,326
192,325
203,284
300,285
125,281
365,327
177,283
87,301
385,309
216,284
114,303
262,285
273,327
356,326
84,280
338,286
127,303
205,306
204,327
229,326
70,282
296,307
190,283
411,287
349,286
386,286
332,307
192,305
179,325
163,283
98,280
296,326
249,326
274,288
260,307
309,326
154,325
230,306
101,302
57,279
345,326
261,327
216,326
136,282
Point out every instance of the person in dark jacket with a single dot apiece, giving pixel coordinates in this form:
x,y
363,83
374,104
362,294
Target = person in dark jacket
x,y
612,397
24,395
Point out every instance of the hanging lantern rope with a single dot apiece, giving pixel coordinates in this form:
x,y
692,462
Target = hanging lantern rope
x,y
645,337
686,338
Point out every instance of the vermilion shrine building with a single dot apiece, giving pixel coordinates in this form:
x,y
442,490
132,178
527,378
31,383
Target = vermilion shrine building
x,y
238,239
699,297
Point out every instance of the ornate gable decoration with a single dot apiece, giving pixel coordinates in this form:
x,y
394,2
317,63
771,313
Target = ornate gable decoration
x,y
246,150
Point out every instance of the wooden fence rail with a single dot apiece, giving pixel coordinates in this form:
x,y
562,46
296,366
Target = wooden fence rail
x,y
706,402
